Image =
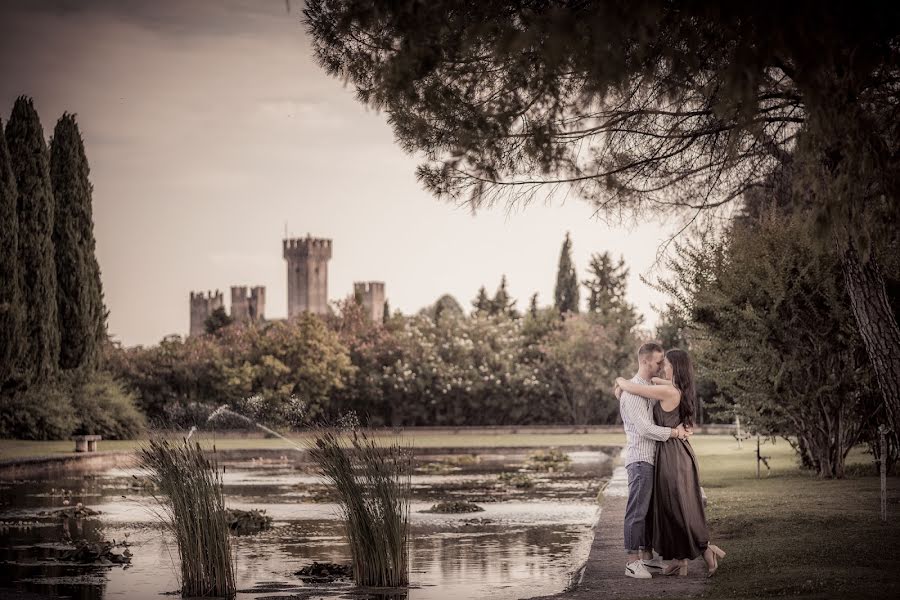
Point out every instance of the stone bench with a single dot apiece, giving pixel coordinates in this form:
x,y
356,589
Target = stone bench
x,y
86,443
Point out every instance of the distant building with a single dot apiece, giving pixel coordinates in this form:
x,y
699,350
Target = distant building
x,y
202,305
307,289
248,309
307,274
371,295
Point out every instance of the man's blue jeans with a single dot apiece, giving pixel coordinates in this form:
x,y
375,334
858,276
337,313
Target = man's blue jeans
x,y
638,527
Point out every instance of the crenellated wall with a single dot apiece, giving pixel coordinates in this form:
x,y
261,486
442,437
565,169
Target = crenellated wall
x,y
202,305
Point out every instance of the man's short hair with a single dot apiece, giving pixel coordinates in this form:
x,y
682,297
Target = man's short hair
x,y
649,348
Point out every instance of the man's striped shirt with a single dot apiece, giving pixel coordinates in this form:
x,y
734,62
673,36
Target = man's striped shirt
x,y
641,434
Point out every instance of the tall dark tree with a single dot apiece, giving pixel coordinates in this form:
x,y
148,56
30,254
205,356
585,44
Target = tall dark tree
x,y
80,307
481,304
648,105
387,312
12,311
606,285
533,305
30,165
501,303
566,293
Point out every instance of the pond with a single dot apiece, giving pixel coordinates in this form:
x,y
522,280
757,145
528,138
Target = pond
x,y
532,536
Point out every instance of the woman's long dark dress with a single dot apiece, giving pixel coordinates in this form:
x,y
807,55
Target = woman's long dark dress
x,y
679,520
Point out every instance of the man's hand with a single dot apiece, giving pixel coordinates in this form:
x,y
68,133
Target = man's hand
x,y
618,392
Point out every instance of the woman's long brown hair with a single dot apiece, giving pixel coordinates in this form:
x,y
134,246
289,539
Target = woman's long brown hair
x,y
683,379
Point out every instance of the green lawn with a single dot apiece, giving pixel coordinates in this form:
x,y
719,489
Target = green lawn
x,y
792,534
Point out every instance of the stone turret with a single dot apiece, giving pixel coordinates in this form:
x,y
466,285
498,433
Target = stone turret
x,y
371,294
248,309
202,305
307,274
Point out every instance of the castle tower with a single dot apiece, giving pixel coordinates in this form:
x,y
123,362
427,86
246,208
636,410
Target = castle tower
x,y
307,274
202,305
240,307
257,304
246,309
371,293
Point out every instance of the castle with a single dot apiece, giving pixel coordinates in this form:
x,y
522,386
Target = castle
x,y
307,284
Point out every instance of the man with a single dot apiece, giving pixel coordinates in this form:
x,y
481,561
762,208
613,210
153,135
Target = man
x,y
641,436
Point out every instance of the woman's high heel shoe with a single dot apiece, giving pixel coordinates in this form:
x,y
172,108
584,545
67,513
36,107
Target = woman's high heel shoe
x,y
716,553
677,566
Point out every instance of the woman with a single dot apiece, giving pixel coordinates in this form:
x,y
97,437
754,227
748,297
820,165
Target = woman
x,y
679,519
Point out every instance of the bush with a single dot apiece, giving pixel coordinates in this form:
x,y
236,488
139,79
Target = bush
x,y
75,403
104,407
43,412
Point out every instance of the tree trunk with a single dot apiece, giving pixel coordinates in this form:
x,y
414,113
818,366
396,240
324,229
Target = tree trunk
x,y
877,326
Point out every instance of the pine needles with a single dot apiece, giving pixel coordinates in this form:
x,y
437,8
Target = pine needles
x,y
194,509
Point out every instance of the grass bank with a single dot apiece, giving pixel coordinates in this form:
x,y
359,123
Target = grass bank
x,y
791,534
13,449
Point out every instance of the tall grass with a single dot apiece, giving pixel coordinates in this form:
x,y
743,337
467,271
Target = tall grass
x,y
190,488
373,485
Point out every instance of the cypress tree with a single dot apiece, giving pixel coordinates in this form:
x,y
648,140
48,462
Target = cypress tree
x,y
566,293
502,303
481,304
35,212
81,314
606,284
387,312
533,306
11,309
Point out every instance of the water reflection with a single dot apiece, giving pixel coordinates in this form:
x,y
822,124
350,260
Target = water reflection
x,y
525,543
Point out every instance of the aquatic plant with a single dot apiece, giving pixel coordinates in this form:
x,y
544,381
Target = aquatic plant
x,y
437,468
193,508
517,480
243,522
549,460
79,511
97,553
454,506
373,486
324,572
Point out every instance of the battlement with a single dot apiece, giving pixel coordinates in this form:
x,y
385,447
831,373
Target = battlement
x,y
368,287
245,308
202,306
205,297
307,247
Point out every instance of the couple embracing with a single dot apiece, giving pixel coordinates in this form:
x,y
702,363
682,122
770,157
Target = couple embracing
x,y
665,509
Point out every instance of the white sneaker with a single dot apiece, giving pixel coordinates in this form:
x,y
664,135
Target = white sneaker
x,y
637,570
656,562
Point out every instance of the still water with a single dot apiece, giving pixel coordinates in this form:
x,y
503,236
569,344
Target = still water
x,y
528,541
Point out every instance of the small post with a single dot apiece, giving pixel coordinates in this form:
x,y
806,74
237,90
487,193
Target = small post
x,y
757,456
882,441
737,422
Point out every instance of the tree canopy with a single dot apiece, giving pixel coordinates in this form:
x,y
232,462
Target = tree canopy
x,y
677,108
636,103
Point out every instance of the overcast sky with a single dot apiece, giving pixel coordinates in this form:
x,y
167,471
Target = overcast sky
x,y
208,126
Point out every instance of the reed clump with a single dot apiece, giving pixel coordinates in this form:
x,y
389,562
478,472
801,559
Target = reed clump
x,y
193,508
372,483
